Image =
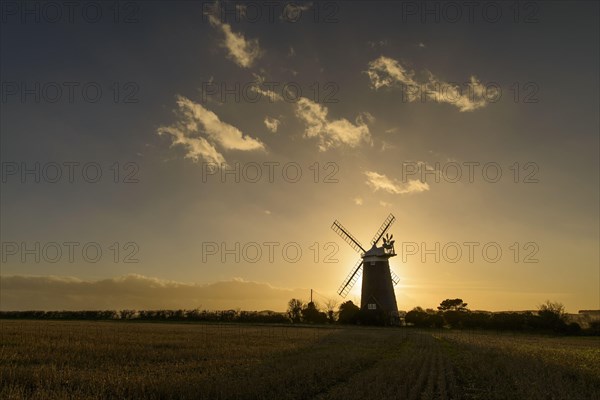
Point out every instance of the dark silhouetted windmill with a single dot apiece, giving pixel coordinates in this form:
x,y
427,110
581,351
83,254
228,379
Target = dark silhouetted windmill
x,y
378,281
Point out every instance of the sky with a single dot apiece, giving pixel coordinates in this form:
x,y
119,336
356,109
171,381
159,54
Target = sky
x,y
184,154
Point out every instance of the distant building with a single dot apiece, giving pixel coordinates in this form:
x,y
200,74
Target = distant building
x,y
514,312
590,312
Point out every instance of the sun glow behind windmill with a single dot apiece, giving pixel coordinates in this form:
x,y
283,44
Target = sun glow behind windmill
x,y
377,293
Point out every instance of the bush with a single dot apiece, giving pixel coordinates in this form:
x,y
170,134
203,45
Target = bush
x,y
594,328
424,319
312,315
348,313
573,328
416,316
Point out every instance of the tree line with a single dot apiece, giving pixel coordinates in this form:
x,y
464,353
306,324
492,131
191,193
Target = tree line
x,y
451,313
154,315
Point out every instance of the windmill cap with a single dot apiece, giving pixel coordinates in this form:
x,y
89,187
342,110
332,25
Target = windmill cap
x,y
377,252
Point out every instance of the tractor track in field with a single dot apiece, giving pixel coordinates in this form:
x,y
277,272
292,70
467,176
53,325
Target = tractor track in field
x,y
417,368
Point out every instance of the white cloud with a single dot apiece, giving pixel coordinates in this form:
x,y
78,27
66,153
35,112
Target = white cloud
x,y
270,95
415,186
358,201
228,136
241,50
365,118
272,124
197,147
260,79
195,120
387,72
381,182
332,133
257,88
385,204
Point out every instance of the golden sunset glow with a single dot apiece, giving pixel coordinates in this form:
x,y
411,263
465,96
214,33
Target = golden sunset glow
x,y
226,149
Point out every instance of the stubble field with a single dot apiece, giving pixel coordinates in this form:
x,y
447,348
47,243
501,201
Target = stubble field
x,y
129,360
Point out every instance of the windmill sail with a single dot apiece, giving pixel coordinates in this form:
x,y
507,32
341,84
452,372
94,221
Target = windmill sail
x,y
384,227
347,236
395,278
351,279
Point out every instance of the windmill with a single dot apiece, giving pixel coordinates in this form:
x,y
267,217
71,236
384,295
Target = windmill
x,y
377,294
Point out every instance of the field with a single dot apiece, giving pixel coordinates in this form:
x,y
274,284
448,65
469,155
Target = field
x,y
99,360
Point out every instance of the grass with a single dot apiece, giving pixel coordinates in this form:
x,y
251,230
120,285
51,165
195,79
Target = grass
x,y
120,360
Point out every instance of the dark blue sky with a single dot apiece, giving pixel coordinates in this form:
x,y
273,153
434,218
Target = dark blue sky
x,y
170,49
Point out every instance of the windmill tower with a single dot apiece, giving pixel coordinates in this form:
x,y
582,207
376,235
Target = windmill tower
x,y
377,295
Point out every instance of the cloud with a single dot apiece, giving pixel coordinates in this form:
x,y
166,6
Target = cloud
x,y
381,182
270,95
138,292
197,147
387,72
332,133
257,88
358,201
272,124
195,120
241,50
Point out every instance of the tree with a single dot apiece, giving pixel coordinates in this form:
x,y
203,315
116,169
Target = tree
x,y
573,328
295,310
454,318
594,327
311,314
330,305
452,305
424,318
416,316
476,320
552,316
348,313
552,307
127,314
434,320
